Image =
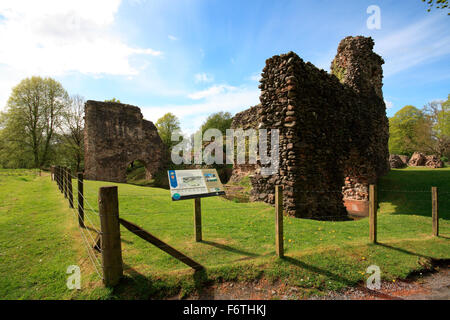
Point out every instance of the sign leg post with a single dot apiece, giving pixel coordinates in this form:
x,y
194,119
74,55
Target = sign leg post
x,y
279,237
435,212
198,219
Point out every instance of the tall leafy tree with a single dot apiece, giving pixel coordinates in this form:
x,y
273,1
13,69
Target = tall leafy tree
x,y
426,130
166,125
219,120
73,131
438,116
404,128
33,113
12,152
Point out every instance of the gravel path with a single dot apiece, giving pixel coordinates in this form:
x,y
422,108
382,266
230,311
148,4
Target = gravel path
x,y
430,286
427,286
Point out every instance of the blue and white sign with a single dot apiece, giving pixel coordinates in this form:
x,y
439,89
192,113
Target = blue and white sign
x,y
189,184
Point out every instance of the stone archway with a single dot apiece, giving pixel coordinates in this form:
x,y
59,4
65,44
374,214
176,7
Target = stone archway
x,y
116,134
135,165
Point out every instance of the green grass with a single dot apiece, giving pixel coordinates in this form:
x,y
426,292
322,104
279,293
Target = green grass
x,y
137,177
408,191
238,240
38,240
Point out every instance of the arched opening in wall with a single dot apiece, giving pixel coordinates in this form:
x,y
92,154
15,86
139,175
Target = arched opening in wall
x,y
136,173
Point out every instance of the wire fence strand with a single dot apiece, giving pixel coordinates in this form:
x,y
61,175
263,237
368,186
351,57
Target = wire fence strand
x,y
90,243
160,225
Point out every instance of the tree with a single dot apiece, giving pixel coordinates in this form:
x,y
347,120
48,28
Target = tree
x,y
440,4
12,153
426,130
220,120
166,125
404,128
73,128
33,113
438,116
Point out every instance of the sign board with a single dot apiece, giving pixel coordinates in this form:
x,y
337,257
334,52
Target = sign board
x,y
190,184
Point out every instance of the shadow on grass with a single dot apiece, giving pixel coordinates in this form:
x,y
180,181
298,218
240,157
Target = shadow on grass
x,y
318,270
409,191
230,249
135,285
405,251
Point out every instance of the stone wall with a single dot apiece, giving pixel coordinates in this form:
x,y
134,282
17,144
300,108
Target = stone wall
x,y
116,134
247,119
333,129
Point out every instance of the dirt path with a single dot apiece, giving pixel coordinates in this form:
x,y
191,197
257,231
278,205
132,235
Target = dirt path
x,y
431,286
427,286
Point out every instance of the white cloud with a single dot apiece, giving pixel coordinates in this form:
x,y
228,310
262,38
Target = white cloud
x,y
389,104
255,77
171,37
8,79
136,2
203,77
215,99
423,41
55,37
211,92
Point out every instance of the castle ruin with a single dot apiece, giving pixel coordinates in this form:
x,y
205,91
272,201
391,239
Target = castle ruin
x,y
115,135
333,131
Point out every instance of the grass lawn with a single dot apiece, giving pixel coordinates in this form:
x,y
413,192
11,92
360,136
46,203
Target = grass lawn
x,y
39,239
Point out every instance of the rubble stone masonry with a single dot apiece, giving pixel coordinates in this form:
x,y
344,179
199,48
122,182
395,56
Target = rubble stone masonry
x,y
116,134
333,130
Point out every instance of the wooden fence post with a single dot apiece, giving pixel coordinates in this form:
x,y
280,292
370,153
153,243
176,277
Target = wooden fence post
x,y
198,219
69,187
435,210
80,200
108,206
58,170
65,182
52,173
61,171
60,179
373,213
279,242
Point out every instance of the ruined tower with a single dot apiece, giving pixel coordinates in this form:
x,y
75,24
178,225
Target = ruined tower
x,y
333,130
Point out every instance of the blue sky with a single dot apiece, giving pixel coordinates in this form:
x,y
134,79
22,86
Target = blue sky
x,y
194,58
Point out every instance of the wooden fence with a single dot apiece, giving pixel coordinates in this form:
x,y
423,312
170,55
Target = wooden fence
x,y
109,240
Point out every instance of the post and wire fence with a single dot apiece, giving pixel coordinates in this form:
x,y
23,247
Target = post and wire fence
x,y
89,232
108,241
102,239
